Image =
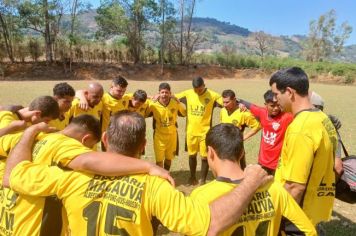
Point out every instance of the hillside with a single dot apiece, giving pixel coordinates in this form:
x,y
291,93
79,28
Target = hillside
x,y
215,34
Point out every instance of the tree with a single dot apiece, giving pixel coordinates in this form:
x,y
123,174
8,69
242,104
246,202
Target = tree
x,y
325,38
167,25
127,17
9,25
263,41
42,16
188,39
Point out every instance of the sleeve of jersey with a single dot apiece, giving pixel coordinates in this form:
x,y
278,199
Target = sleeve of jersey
x,y
6,119
180,95
299,158
219,100
67,150
295,215
177,212
8,142
181,110
255,110
252,122
35,179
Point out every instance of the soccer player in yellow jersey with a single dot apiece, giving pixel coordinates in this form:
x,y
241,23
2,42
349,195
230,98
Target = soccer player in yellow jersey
x,y
165,112
139,103
305,167
200,103
64,94
65,149
270,205
99,205
115,100
93,95
41,109
231,113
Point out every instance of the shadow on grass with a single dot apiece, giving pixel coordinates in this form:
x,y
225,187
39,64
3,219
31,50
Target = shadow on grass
x,y
182,176
339,225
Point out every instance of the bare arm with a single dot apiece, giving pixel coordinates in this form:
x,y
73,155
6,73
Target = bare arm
x,y
14,126
23,149
251,133
226,210
83,103
295,189
113,164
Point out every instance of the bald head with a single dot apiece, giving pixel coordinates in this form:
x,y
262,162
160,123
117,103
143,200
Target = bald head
x,y
94,93
127,133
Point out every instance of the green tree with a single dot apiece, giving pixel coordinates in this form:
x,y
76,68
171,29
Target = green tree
x,y
42,16
130,18
325,38
9,25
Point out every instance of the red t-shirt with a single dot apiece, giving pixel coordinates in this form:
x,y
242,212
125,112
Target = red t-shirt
x,y
273,130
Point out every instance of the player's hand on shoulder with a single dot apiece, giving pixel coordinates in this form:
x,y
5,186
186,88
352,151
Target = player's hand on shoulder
x,y
256,176
160,172
83,104
40,127
242,107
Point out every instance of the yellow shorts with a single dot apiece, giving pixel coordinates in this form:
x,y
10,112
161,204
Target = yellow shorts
x,y
196,144
165,146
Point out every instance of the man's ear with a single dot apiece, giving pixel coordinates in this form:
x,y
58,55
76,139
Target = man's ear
x,y
104,139
85,138
143,146
211,153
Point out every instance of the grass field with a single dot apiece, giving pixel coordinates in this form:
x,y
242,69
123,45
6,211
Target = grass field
x,y
338,101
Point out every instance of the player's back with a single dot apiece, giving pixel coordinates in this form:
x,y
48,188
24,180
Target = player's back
x,y
99,205
264,213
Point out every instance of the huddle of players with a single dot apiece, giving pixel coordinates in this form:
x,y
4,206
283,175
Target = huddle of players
x,y
121,199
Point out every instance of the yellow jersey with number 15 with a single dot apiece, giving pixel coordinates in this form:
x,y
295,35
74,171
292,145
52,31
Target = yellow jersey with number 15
x,y
100,205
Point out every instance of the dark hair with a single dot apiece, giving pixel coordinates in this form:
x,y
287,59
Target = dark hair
x,y
126,132
268,96
89,124
228,93
63,89
197,82
47,105
227,141
121,81
140,95
164,86
294,78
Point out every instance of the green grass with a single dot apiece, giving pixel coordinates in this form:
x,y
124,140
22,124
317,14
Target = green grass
x,y
339,100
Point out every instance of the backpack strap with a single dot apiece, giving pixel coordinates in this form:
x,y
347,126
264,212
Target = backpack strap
x,y
342,144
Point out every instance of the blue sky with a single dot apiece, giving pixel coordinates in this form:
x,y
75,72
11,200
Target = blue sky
x,y
277,17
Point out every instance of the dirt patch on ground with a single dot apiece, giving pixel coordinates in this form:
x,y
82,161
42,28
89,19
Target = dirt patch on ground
x,y
108,71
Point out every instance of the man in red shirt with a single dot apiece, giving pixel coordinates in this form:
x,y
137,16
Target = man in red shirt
x,y
274,124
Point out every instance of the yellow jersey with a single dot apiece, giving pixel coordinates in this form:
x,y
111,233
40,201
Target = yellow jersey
x,y
240,119
142,110
6,117
60,123
165,117
99,205
199,110
32,215
75,110
264,214
307,158
7,142
112,105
